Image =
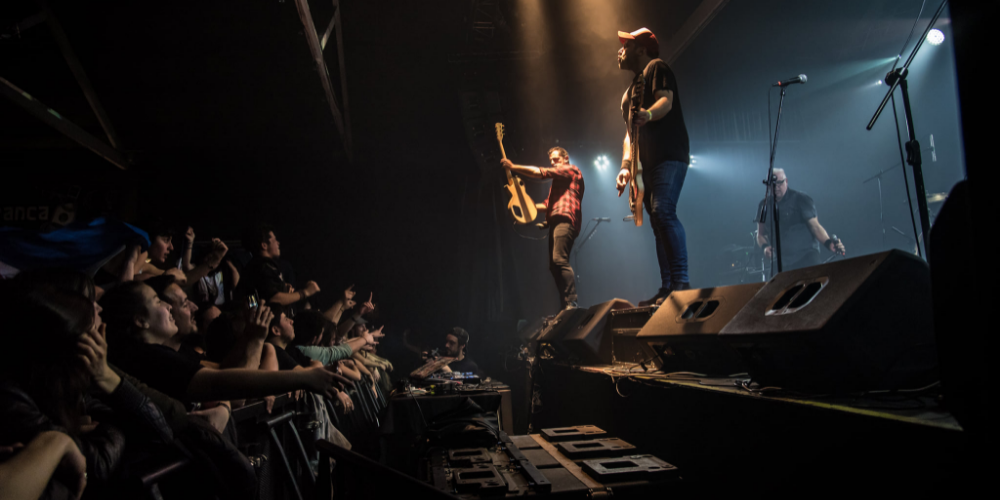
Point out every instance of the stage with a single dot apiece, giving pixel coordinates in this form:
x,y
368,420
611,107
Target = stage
x,y
723,436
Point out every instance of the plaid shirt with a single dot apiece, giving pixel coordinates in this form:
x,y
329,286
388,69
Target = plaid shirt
x,y
566,193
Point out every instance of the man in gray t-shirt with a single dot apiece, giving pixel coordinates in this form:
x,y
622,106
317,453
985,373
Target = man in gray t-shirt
x,y
801,233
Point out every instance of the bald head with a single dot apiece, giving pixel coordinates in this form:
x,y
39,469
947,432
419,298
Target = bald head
x,y
780,183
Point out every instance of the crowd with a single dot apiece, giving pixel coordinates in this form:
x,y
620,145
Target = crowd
x,y
149,356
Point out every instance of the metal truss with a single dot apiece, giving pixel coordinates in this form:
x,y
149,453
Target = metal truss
x,y
341,114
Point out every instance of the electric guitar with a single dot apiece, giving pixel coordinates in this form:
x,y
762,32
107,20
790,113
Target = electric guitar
x,y
521,206
636,190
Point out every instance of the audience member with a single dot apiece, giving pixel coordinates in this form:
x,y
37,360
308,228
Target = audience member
x,y
139,323
262,274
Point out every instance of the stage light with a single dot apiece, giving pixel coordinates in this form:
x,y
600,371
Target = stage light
x,y
878,82
935,37
602,163
692,162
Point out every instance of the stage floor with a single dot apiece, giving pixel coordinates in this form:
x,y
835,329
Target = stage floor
x,y
919,408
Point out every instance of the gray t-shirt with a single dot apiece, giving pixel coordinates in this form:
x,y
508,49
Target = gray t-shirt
x,y
797,241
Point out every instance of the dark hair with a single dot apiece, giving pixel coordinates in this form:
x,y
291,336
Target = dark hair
x,y
309,325
460,334
157,227
160,283
121,306
254,236
562,152
42,358
278,310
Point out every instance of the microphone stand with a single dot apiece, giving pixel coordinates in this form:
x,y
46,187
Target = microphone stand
x,y
769,193
897,78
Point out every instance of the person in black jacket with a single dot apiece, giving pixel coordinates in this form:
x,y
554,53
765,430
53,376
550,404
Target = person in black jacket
x,y
46,369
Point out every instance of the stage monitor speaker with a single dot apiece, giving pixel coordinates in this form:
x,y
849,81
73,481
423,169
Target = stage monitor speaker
x,y
555,328
683,335
587,339
851,325
623,326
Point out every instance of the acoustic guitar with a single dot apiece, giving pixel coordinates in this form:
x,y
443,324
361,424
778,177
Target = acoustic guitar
x,y
636,190
521,206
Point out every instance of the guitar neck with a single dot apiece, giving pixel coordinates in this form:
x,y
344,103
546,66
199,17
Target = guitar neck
x,y
503,154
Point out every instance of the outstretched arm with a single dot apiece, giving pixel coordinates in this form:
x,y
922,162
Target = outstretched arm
x,y
527,171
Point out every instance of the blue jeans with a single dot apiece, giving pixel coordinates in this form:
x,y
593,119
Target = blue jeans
x,y
663,185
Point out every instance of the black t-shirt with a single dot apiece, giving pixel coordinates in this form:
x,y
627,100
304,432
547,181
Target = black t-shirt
x,y
158,366
264,276
797,241
188,350
466,364
299,356
665,139
285,359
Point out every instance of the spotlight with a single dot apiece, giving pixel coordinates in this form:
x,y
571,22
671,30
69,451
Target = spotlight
x,y
878,82
935,37
692,162
602,163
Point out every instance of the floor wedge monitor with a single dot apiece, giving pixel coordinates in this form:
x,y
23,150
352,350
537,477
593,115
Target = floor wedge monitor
x,y
589,340
683,334
857,324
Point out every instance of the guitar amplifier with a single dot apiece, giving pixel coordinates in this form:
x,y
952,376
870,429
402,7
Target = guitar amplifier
x,y
623,326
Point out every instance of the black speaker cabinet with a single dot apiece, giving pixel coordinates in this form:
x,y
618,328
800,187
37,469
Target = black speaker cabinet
x,y
864,323
624,326
588,340
682,336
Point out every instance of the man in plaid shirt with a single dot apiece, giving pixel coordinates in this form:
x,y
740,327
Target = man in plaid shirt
x,y
562,215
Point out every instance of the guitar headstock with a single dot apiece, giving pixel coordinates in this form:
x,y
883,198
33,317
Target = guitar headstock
x,y
499,127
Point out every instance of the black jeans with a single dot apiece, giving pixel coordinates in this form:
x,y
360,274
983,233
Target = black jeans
x,y
562,235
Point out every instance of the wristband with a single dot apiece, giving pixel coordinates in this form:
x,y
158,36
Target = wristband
x,y
303,294
650,115
626,164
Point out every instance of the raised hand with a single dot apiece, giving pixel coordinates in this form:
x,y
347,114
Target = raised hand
x,y
92,349
219,250
312,288
367,307
349,294
189,236
258,322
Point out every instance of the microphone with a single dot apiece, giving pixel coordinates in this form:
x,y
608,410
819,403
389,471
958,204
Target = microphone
x,y
797,79
602,219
